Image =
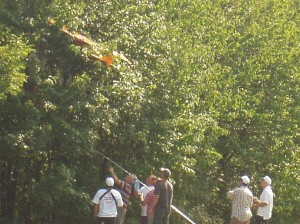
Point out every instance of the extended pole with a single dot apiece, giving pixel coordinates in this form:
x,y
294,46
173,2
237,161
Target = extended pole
x,y
114,163
172,206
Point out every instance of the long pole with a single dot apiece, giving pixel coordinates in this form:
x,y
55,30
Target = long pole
x,y
172,206
114,163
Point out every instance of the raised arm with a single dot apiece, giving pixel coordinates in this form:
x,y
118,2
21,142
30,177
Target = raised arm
x,y
116,179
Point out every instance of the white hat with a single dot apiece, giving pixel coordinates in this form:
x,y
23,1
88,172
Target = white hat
x,y
165,171
245,179
109,181
267,179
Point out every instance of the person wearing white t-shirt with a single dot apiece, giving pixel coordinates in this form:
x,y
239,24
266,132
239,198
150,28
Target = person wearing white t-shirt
x,y
264,204
106,202
142,193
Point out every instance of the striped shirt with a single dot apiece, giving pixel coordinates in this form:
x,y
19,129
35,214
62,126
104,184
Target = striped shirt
x,y
144,191
149,200
125,190
242,203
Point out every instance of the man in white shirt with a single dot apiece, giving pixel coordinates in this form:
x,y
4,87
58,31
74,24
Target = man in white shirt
x,y
242,200
264,204
106,202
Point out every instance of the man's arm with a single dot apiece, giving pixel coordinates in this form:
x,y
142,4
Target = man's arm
x,y
96,210
258,203
230,195
143,201
117,180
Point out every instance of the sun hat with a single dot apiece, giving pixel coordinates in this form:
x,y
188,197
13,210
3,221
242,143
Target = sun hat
x,y
109,181
267,179
245,179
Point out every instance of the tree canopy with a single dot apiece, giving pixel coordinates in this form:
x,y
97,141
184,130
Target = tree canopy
x,y
209,89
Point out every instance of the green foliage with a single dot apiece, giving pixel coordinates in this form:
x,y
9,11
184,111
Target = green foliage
x,y
14,51
212,93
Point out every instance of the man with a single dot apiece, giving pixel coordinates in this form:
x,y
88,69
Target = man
x,y
163,196
242,202
106,202
147,195
264,204
125,190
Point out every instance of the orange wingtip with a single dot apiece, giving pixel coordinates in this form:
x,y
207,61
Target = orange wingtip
x,y
108,59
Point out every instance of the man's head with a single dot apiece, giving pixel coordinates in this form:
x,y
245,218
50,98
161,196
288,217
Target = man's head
x,y
244,180
265,181
166,173
130,179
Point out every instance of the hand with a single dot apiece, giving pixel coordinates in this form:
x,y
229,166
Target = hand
x,y
255,199
110,169
140,195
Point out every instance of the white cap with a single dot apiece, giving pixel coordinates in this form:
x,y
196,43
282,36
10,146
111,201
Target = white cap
x,y
245,179
109,181
267,179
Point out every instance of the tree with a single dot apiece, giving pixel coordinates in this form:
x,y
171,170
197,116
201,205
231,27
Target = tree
x,y
211,90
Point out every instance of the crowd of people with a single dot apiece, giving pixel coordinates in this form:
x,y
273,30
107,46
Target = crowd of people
x,y
110,205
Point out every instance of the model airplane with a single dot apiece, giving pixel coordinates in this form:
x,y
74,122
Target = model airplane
x,y
81,40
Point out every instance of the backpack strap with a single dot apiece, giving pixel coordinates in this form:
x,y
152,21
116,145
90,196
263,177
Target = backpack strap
x,y
114,198
108,190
